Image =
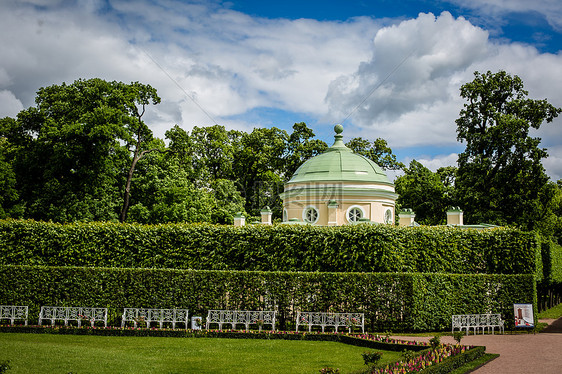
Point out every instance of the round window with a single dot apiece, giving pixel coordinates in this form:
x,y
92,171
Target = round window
x,y
310,215
354,214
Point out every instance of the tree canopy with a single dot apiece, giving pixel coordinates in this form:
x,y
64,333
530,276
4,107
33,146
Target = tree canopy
x,y
85,153
500,177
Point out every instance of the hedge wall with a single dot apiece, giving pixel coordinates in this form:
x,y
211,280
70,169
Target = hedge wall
x,y
552,262
359,248
390,301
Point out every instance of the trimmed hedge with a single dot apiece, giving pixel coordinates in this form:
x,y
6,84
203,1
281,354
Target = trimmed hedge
x,y
390,301
552,262
357,248
455,362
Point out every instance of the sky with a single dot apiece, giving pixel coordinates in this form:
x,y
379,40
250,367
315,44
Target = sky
x,y
384,69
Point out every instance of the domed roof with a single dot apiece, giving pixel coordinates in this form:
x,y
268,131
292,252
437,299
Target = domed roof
x,y
339,163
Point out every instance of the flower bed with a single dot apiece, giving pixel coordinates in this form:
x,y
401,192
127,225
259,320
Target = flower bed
x,y
444,359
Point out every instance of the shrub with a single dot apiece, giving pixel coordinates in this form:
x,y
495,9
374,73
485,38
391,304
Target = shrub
x,y
4,366
458,335
408,355
371,358
435,342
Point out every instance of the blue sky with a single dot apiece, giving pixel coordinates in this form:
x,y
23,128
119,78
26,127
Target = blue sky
x,y
253,63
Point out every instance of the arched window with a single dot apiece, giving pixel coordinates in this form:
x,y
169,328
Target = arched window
x,y
388,217
310,214
354,214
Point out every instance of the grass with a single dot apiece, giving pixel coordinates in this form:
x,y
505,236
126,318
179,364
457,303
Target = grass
x,y
552,313
49,353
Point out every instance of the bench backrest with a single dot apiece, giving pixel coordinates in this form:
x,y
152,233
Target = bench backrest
x,y
241,316
330,319
13,312
160,315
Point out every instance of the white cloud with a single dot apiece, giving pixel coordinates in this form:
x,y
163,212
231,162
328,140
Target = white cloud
x,y
417,68
553,164
228,62
436,162
419,103
10,106
232,64
551,10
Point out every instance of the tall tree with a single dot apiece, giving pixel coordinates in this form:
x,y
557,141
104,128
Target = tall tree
x,y
72,152
258,165
378,151
300,147
137,97
10,206
422,191
500,177
213,152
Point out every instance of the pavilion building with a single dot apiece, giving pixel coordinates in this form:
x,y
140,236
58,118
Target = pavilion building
x,y
339,187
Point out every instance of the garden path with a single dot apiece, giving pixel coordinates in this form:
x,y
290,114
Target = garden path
x,y
519,353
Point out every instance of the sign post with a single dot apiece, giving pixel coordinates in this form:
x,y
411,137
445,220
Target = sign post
x,y
524,315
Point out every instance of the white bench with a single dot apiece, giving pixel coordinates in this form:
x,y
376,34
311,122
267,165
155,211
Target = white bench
x,y
13,312
147,315
243,317
477,322
335,320
70,313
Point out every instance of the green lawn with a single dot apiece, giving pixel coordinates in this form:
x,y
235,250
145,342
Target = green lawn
x,y
48,353
554,312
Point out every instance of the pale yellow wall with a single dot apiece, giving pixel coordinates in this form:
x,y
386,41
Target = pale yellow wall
x,y
374,210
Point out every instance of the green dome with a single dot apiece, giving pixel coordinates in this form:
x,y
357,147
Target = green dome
x,y
339,164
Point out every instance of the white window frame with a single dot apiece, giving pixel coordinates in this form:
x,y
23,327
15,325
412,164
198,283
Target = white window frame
x,y
350,209
285,215
304,214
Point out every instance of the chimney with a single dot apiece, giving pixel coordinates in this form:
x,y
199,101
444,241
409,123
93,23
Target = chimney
x,y
239,219
406,217
266,216
454,216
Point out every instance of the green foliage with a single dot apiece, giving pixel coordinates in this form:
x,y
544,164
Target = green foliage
x,y
408,355
68,153
451,363
4,366
552,262
378,151
390,301
435,342
422,191
301,146
371,358
458,335
500,179
358,248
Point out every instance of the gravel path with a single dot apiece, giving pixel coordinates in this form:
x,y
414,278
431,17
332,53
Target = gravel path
x,y
519,353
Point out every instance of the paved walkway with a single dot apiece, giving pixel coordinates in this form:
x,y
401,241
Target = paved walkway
x,y
519,353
